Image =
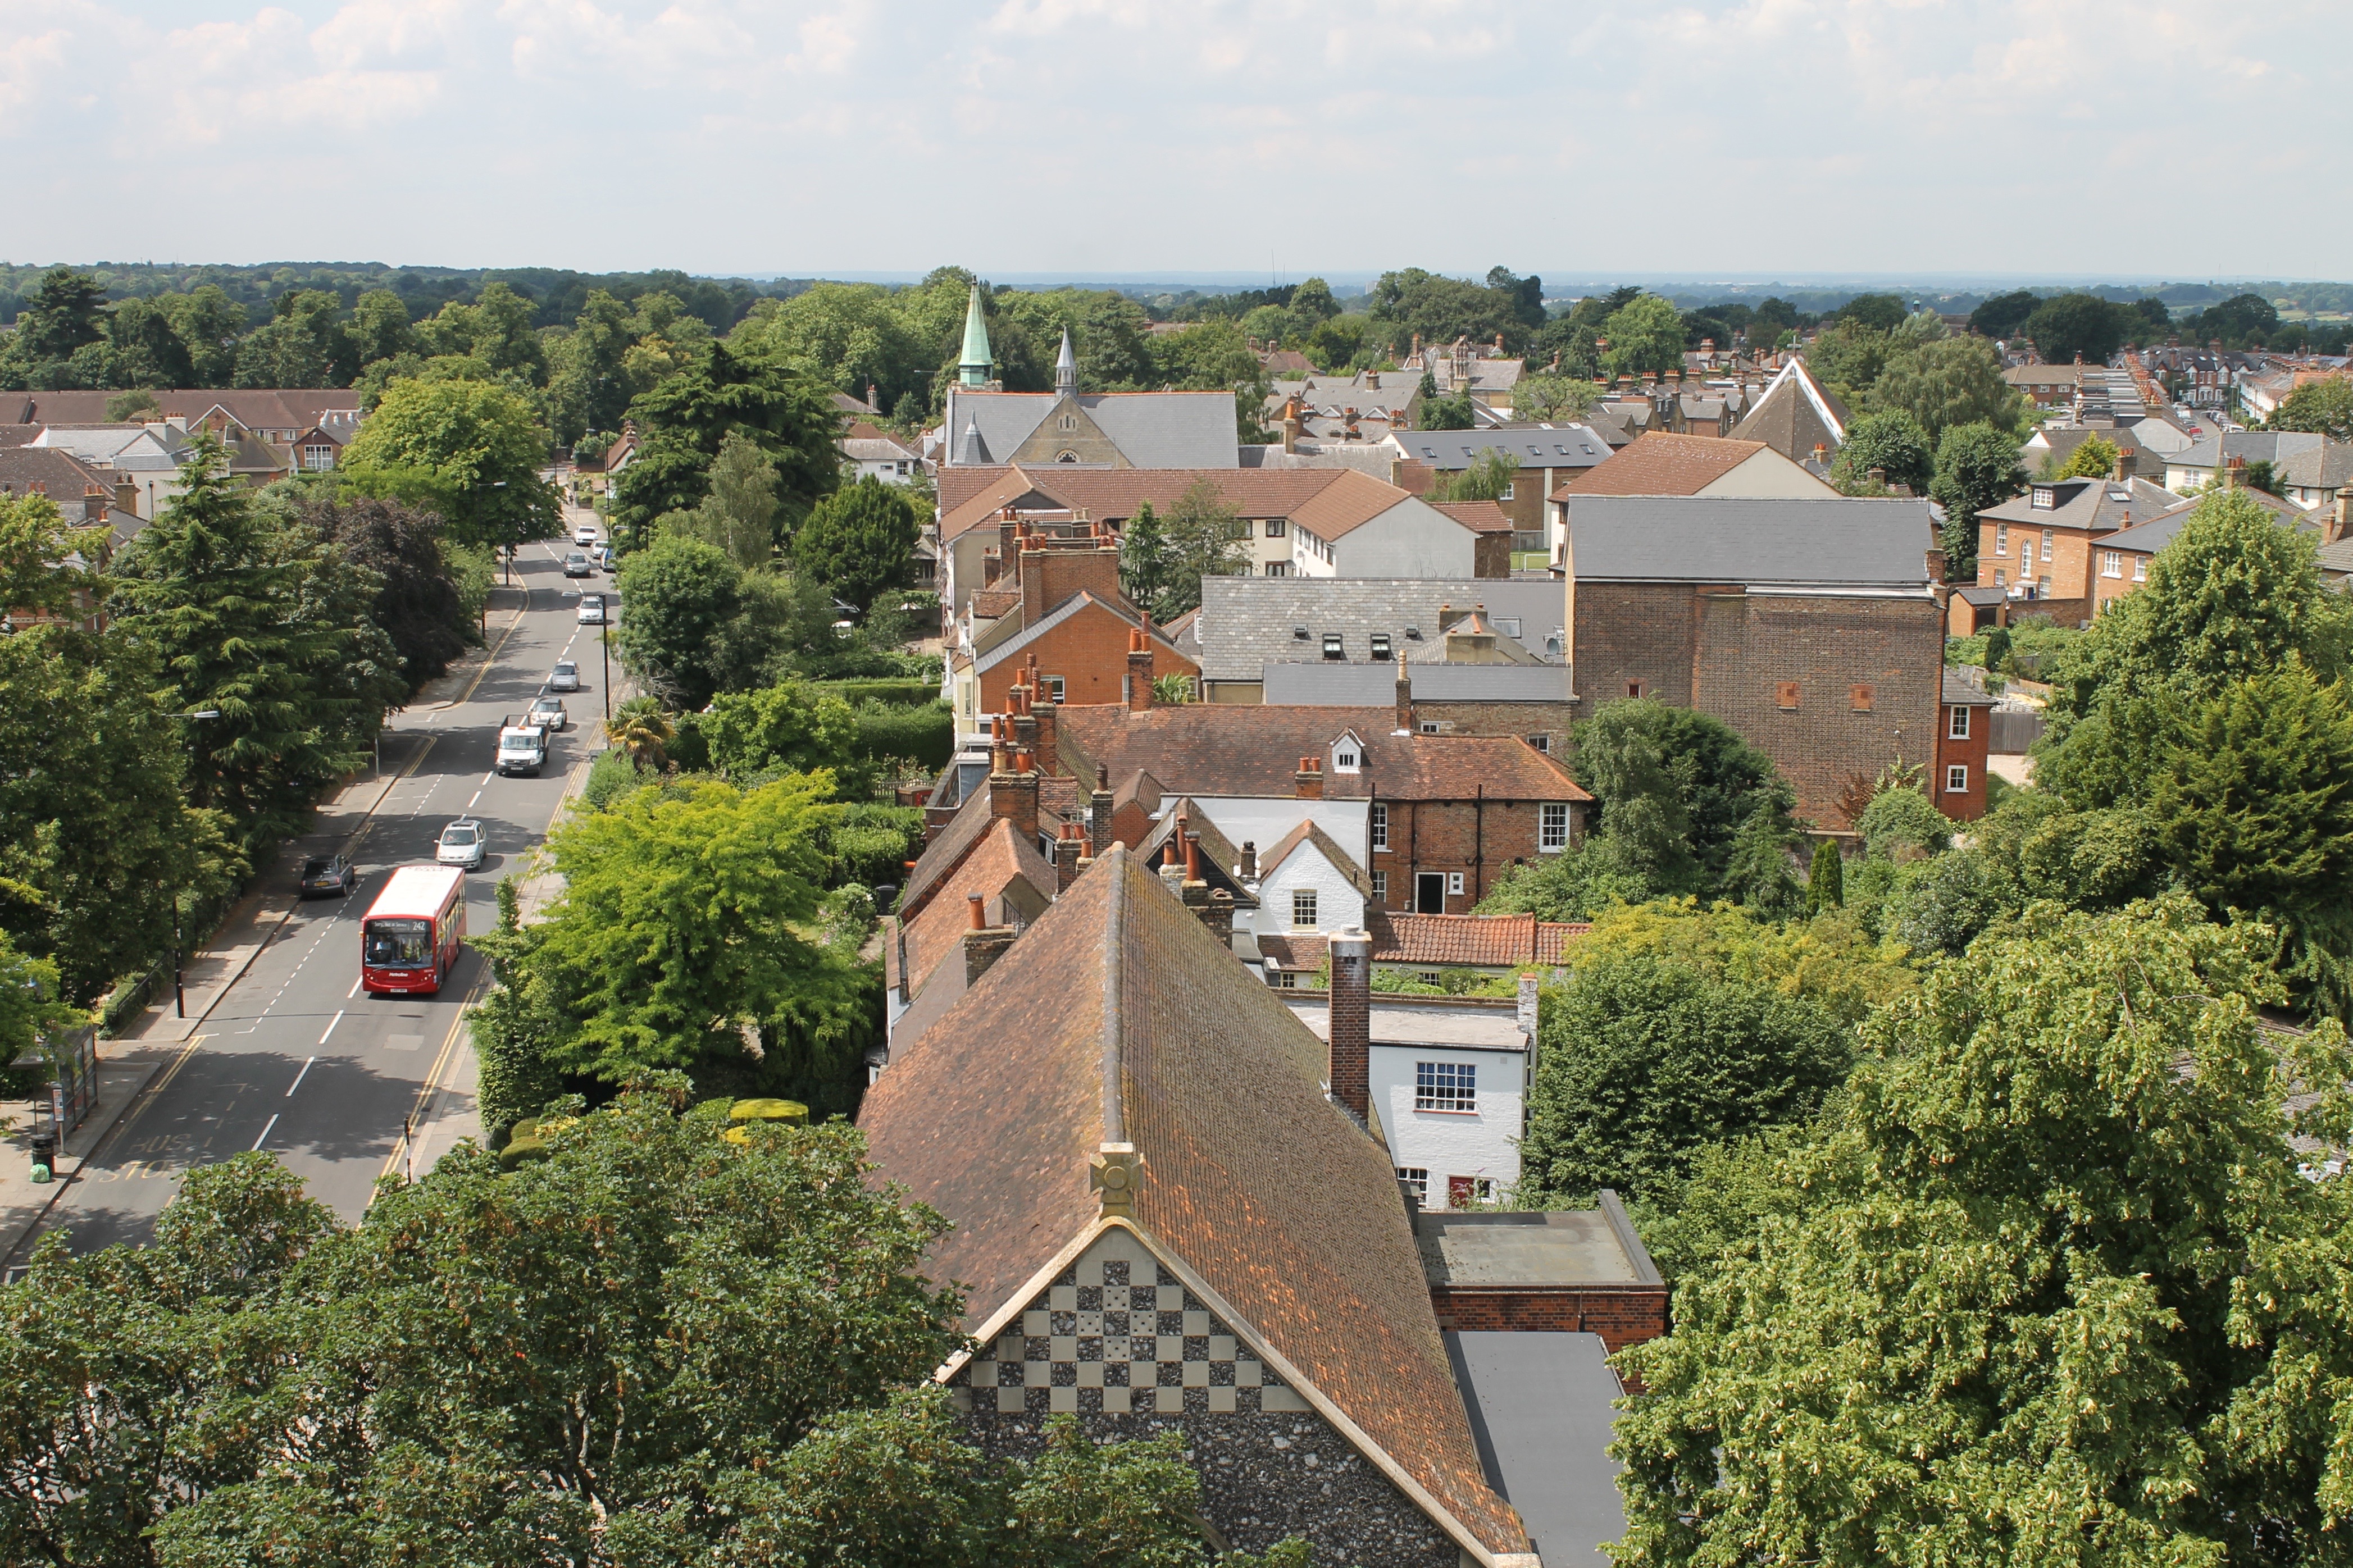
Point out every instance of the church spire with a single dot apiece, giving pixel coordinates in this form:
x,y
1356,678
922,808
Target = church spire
x,y
974,368
1066,368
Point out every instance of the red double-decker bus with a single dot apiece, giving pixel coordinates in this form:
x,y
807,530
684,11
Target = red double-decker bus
x,y
409,937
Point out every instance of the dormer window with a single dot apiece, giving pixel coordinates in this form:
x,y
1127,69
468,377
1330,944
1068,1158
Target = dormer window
x,y
1380,645
2043,497
1345,758
1332,647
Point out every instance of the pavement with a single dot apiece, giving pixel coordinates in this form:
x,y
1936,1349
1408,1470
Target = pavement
x,y
278,1049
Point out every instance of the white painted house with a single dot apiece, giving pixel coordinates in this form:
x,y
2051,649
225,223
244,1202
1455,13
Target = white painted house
x,y
1307,884
1449,1085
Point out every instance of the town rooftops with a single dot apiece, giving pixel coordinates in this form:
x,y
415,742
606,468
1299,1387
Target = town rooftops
x,y
288,409
1534,446
2296,458
1151,429
1248,623
2093,504
1834,542
1961,691
1795,414
1662,464
1543,1410
1481,942
1478,516
1448,1023
1365,684
970,498
1119,1032
2150,536
1061,614
1588,1246
1232,749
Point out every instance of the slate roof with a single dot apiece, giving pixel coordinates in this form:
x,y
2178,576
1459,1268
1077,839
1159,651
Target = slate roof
x,y
1486,941
2298,458
1794,413
2095,505
1248,623
1661,463
62,477
1118,1018
1960,691
2158,532
1151,429
1535,446
1543,1409
1835,541
1204,748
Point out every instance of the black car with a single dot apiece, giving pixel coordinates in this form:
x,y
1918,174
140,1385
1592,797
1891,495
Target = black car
x,y
325,875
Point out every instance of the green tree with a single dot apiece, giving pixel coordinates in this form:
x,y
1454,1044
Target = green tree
x,y
419,603
684,420
1485,477
683,596
1206,537
1826,881
1894,443
859,540
2008,1304
739,515
1849,357
1948,383
495,330
1976,468
1646,333
1880,312
2067,325
471,449
2323,407
1645,1061
248,628
302,344
379,328
1455,411
790,726
1554,399
2094,458
210,324
143,350
1143,559
68,312
2001,315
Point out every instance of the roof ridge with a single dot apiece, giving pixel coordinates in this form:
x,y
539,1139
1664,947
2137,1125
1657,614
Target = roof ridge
x,y
1115,1114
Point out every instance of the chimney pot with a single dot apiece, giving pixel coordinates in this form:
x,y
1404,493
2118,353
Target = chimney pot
x,y
978,915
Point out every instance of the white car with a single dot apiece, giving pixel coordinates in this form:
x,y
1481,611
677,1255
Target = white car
x,y
461,844
585,534
592,609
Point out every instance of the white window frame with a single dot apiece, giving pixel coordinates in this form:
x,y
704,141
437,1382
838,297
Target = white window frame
x,y
1552,827
1957,778
1380,884
2049,537
1959,729
1417,1181
2140,568
1507,491
1446,1088
2001,539
2112,563
1377,823
1454,885
1274,528
1303,909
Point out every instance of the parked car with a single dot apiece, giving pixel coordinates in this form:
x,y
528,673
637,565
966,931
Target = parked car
x,y
461,844
585,534
577,564
328,875
549,711
566,677
592,609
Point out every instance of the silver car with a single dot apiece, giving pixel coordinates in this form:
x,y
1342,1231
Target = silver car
x,y
564,678
461,844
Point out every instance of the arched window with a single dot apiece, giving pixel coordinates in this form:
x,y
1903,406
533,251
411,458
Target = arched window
x,y
1066,457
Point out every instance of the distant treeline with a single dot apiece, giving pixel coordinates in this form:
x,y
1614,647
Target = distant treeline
x,y
557,295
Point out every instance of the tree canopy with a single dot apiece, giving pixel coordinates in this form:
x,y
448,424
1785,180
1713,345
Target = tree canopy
x,y
859,540
471,450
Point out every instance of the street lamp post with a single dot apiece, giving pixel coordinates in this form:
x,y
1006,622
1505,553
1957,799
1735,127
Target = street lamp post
x,y
605,647
179,957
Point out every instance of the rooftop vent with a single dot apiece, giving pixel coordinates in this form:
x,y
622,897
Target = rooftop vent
x,y
1300,633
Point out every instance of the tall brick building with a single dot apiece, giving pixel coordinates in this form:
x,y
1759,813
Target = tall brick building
x,y
1810,626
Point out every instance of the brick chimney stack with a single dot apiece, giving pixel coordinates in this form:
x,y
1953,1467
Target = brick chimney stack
x,y
1099,811
1404,700
983,943
1308,782
2341,523
1070,854
1013,790
1348,1030
1139,671
1246,867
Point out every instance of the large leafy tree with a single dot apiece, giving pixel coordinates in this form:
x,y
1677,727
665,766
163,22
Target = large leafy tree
x,y
682,630
739,514
650,1345
419,603
2020,1300
302,344
2001,315
1644,1061
1976,468
471,450
1947,382
2066,325
255,625
1646,333
2323,407
859,540
683,421
68,312
1894,443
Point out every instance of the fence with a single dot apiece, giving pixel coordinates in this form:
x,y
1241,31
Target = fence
x,y
2014,731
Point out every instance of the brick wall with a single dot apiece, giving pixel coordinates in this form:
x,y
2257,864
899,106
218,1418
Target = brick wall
x,y
1783,671
1089,651
1621,1314
1524,719
1967,805
1479,840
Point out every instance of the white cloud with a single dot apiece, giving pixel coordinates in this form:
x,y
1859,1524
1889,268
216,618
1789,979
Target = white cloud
x,y
1708,136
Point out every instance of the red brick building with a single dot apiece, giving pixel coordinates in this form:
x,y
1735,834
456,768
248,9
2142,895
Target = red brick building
x,y
1959,787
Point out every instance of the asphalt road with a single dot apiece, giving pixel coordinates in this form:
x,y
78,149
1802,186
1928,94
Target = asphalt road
x,y
295,1059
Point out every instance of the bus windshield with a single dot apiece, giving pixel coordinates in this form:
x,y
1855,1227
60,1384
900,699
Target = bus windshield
x,y
399,944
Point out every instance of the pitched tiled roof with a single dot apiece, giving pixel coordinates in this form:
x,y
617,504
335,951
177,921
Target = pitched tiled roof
x,y
1216,849
2097,505
944,854
1535,446
1296,950
1151,429
1118,1018
1478,516
263,408
1490,942
1307,833
1113,494
1075,605
1795,414
1351,501
1200,748
1662,464
1005,868
989,603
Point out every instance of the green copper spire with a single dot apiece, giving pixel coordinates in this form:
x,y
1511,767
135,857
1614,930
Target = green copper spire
x,y
976,363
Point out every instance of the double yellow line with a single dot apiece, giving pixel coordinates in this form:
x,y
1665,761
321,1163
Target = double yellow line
x,y
431,1086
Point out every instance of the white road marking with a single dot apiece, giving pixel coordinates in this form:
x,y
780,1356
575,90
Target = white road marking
x,y
303,1074
353,992
330,1028
264,1132
469,804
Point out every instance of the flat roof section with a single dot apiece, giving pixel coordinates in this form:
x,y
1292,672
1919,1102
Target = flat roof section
x,y
1581,1246
1541,1408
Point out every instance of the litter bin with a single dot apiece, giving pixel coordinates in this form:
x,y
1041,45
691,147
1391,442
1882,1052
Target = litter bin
x,y
45,1157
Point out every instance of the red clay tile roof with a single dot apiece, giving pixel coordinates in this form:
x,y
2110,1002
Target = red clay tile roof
x,y
989,603
1295,952
944,854
1491,941
1478,516
1661,464
1113,495
1340,860
1012,879
1207,748
1118,1016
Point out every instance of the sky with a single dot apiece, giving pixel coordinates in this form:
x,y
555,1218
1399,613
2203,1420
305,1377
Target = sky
x,y
1756,138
